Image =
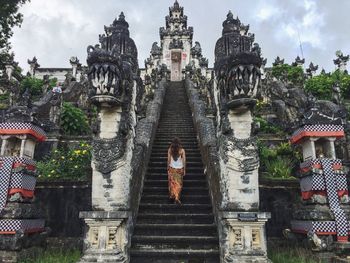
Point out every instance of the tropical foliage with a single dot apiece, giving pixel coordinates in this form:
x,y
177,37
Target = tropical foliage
x,y
266,127
73,120
321,85
34,85
62,164
279,161
285,72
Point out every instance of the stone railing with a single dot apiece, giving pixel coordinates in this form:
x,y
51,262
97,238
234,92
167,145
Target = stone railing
x,y
145,133
207,142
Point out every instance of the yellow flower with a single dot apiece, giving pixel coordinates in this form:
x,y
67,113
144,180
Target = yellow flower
x,y
75,166
62,157
49,175
77,152
52,171
85,151
70,159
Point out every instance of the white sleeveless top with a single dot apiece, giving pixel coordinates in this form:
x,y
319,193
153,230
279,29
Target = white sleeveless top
x,y
178,164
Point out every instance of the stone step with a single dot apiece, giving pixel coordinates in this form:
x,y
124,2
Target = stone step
x,y
186,182
175,256
164,199
174,242
178,218
175,229
164,176
174,208
168,232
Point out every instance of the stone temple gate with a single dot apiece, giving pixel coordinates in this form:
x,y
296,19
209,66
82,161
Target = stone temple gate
x,y
139,111
232,228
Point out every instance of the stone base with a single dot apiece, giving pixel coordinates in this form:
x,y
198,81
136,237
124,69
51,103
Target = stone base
x,y
106,236
103,256
20,241
16,256
317,212
243,237
235,258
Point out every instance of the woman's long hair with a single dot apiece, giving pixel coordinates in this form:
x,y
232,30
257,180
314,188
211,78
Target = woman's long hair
x,y
175,147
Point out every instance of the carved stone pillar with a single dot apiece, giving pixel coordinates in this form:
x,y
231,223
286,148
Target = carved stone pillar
x,y
238,75
245,236
112,74
33,66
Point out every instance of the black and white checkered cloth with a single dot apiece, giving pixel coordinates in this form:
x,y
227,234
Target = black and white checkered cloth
x,y
5,178
316,180
22,181
333,199
27,225
326,227
23,126
24,160
319,128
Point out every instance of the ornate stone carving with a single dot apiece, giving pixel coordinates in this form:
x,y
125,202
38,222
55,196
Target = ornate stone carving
x,y
113,65
156,50
237,64
107,152
176,44
196,51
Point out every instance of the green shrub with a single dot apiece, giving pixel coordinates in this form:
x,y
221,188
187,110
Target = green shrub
x,y
279,161
266,127
55,256
285,72
291,255
64,164
35,85
73,120
321,85
4,97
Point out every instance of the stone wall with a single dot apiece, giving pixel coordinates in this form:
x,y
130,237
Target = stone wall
x,y
62,202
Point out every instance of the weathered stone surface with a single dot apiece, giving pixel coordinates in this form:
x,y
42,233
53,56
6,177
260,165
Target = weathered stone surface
x,y
24,254
21,210
317,212
20,241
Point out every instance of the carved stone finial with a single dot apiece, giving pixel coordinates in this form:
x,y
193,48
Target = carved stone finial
x,y
341,60
311,70
278,61
298,62
33,66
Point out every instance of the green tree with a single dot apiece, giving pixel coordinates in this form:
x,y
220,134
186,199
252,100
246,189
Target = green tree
x,y
321,85
74,120
285,72
9,17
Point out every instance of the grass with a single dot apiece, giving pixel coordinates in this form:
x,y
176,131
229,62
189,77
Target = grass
x,y
291,255
56,256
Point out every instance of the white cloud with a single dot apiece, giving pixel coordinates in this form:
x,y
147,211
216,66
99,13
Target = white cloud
x,y
55,30
267,12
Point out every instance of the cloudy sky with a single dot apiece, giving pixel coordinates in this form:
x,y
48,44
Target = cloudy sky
x,y
55,30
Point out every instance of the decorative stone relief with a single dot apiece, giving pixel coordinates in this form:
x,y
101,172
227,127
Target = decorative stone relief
x,y
107,152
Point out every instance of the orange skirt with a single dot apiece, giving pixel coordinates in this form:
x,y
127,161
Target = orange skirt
x,y
175,181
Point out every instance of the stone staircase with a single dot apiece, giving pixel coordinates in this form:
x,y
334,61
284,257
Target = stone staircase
x,y
164,231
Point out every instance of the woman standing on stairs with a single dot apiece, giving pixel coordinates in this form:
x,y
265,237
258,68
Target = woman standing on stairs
x,y
176,169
